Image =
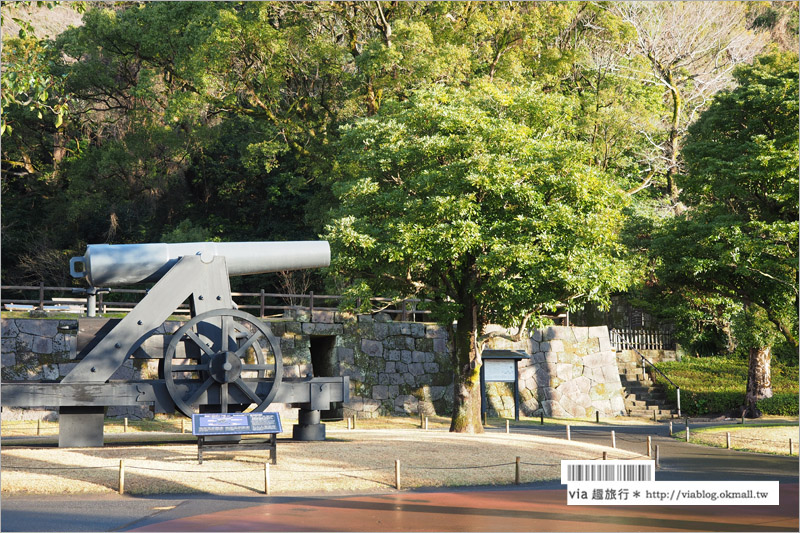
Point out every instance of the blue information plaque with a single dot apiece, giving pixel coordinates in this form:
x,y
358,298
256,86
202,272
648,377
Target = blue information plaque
x,y
236,423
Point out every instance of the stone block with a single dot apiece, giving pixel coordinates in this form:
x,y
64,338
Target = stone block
x,y
440,345
537,335
583,384
397,379
558,411
381,331
416,369
383,317
356,403
597,331
406,356
410,379
50,372
433,331
437,393
287,343
399,328
324,316
417,330
394,355
423,345
533,346
43,328
371,406
618,405
372,348
367,319
580,333
384,379
417,357
391,367
431,368
380,392
345,355
8,327
564,371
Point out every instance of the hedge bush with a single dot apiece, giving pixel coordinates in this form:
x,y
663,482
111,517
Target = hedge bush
x,y
717,385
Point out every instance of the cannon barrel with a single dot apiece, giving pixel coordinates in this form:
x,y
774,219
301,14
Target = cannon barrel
x,y
124,264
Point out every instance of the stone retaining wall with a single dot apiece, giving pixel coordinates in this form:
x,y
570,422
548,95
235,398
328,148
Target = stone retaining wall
x,y
394,367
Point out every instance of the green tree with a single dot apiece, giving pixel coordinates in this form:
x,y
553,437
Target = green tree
x,y
738,241
479,200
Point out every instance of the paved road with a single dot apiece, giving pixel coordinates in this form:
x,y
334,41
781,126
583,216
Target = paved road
x,y
535,507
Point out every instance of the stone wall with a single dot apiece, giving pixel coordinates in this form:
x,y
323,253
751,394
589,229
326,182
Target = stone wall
x,y
394,367
572,372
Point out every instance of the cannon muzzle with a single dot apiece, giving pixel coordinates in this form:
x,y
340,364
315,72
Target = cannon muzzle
x,y
124,264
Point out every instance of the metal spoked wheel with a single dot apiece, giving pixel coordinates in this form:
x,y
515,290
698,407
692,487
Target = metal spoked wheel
x,y
226,349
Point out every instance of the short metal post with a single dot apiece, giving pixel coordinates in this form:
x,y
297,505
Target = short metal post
x,y
678,391
517,475
649,446
568,435
122,476
687,432
91,302
125,425
658,457
670,428
597,416
654,416
397,474
605,456
267,483
421,420
38,427
541,419
728,439
613,439
348,423
354,420
183,426
262,303
791,447
508,427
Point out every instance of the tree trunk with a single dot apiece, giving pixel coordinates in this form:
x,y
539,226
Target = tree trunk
x,y
673,146
466,370
759,380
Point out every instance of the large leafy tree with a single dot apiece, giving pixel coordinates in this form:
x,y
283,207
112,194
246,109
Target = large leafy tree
x,y
479,200
737,244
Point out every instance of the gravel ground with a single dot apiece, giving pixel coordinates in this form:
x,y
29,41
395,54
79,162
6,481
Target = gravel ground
x,y
350,460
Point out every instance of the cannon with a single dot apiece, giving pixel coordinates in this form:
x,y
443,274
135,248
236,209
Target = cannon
x,y
221,360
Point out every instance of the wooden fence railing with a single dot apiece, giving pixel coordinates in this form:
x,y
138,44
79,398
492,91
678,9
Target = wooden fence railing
x,y
641,339
262,303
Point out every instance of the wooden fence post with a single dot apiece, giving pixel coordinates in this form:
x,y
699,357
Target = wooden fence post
x,y
122,476
397,474
517,475
613,439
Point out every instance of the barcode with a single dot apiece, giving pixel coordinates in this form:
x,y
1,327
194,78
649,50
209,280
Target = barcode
x,y
577,471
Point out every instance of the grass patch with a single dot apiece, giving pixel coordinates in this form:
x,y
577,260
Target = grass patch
x,y
756,437
714,385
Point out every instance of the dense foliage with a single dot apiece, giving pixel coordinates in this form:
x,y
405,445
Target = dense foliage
x,y
497,157
716,385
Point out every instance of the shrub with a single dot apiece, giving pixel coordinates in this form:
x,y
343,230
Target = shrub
x,y
713,385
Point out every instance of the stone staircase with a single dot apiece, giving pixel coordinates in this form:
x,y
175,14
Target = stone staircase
x,y
642,396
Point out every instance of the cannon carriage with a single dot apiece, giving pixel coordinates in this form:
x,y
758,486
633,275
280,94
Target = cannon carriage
x,y
221,360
